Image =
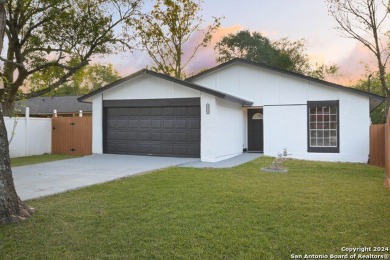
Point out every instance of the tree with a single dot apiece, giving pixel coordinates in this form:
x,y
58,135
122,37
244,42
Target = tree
x,y
171,26
53,34
61,35
88,78
365,21
11,207
284,54
254,47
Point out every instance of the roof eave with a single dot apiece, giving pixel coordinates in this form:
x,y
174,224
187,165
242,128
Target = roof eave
x,y
169,78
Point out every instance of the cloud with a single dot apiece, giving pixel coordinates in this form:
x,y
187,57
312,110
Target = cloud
x,y
206,57
355,65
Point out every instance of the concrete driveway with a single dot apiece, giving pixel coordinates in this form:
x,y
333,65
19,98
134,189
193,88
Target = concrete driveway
x,y
39,180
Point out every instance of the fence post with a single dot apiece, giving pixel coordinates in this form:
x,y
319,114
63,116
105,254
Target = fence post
x,y
27,118
387,152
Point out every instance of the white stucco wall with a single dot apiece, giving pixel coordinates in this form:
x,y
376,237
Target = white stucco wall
x,y
214,146
284,100
221,129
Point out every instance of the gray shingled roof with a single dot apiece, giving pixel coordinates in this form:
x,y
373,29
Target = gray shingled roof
x,y
46,105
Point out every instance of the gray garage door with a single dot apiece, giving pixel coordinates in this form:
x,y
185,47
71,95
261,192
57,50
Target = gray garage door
x,y
160,127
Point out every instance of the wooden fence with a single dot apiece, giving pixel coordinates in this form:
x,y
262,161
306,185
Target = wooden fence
x,y
377,145
72,135
380,148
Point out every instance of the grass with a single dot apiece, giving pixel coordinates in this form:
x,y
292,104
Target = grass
x,y
186,213
35,159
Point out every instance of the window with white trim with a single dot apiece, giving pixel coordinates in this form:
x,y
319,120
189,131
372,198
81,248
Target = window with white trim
x,y
323,126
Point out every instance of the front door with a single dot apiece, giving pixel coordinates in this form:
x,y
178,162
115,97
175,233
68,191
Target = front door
x,y
255,130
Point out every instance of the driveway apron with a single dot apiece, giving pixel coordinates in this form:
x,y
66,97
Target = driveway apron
x,y
39,180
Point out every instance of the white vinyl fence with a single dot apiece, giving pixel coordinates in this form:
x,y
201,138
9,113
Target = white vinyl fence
x,y
28,136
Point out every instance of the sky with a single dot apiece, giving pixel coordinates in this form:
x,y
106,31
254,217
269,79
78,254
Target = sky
x,y
275,19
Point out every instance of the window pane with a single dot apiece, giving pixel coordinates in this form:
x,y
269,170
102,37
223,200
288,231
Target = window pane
x,y
333,142
326,110
333,110
326,134
312,110
312,118
313,126
333,126
326,142
313,142
320,134
326,126
320,142
333,118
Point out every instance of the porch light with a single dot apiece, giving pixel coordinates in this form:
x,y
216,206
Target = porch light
x,y
55,112
81,113
207,108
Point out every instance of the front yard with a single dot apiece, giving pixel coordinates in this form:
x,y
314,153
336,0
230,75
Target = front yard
x,y
238,213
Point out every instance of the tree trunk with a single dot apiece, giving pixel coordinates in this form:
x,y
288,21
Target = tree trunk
x,y
8,108
12,209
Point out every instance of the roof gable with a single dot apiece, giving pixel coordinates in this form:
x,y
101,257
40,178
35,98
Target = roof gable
x,y
375,100
168,78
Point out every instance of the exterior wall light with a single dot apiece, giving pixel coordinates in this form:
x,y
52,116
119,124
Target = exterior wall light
x,y
207,108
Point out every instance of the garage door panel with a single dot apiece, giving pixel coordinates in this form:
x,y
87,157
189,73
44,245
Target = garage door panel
x,y
169,124
156,124
169,137
181,111
156,137
143,148
193,111
145,111
134,136
145,136
133,123
193,151
181,137
155,149
161,131
193,138
144,123
168,111
181,124
193,124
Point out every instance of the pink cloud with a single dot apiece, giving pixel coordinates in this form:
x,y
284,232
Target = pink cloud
x,y
206,57
356,65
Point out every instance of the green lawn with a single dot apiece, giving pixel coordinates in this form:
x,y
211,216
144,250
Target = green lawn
x,y
239,213
22,161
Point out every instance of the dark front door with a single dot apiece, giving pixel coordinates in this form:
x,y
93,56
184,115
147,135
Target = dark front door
x,y
255,130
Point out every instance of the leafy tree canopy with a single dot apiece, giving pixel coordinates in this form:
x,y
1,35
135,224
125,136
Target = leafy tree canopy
x,y
59,37
85,80
169,28
284,54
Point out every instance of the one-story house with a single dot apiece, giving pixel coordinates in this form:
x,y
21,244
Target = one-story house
x,y
234,107
44,106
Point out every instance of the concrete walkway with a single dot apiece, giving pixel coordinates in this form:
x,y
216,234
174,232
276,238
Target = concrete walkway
x,y
39,180
232,162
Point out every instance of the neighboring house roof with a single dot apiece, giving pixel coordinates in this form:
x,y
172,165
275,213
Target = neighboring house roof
x,y
375,100
46,105
169,78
